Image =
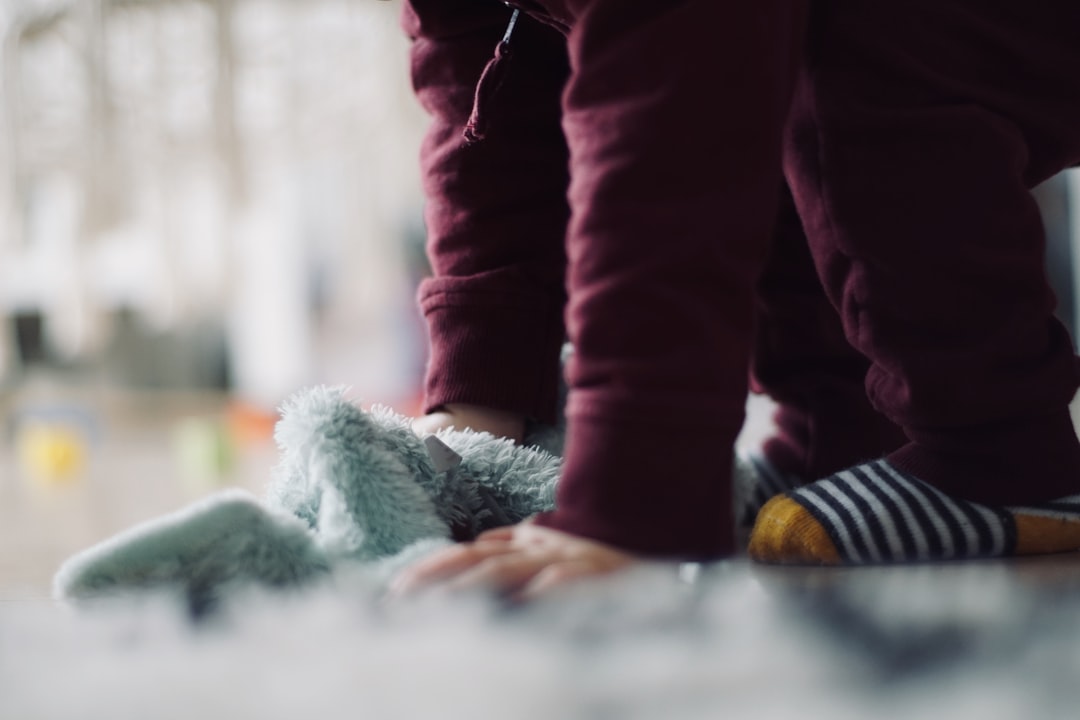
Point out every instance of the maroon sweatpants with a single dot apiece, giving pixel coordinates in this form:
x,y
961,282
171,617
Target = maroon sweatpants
x,y
801,359
647,136
916,132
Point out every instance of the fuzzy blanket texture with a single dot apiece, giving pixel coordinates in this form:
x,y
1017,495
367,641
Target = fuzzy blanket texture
x,y
979,640
355,491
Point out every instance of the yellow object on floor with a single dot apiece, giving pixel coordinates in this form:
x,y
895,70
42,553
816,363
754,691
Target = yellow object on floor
x,y
50,452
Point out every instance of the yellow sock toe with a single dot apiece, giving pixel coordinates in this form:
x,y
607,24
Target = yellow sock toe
x,y
787,534
1039,535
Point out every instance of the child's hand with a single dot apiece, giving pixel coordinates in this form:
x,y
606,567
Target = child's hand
x,y
497,422
521,561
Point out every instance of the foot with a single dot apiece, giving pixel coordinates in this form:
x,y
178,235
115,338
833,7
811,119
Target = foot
x,y
755,481
873,513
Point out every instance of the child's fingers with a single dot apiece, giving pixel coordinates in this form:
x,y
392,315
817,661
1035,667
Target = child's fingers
x,y
521,532
555,576
522,561
444,564
502,534
504,574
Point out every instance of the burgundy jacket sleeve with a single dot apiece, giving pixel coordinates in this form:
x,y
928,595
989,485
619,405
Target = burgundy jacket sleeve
x,y
496,208
674,116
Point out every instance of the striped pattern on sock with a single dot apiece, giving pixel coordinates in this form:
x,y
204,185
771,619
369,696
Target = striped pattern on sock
x,y
756,481
876,514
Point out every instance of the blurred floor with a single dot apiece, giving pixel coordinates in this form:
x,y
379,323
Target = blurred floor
x,y
143,454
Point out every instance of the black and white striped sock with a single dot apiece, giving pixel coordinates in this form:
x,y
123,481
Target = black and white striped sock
x,y
873,513
755,482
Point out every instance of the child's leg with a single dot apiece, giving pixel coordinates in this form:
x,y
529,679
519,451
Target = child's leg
x,y
915,136
802,360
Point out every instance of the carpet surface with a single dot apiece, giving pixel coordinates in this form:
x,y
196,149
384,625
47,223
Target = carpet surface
x,y
980,640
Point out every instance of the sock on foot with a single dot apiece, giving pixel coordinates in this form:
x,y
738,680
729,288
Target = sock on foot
x,y
755,482
873,513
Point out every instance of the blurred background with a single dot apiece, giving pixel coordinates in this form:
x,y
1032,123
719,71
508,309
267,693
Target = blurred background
x,y
209,194
206,205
